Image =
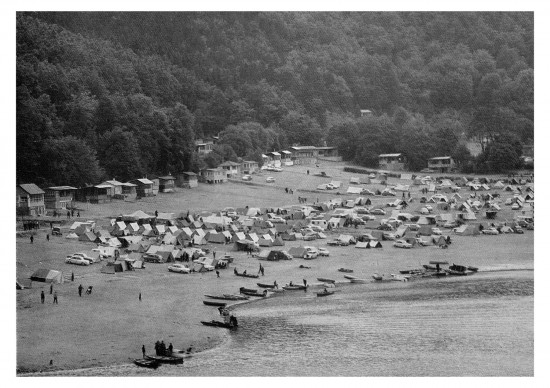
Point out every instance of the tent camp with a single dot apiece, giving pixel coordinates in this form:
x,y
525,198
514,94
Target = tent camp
x,y
263,242
117,266
467,230
47,276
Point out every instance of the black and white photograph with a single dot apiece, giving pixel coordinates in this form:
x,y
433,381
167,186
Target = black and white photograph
x,y
274,193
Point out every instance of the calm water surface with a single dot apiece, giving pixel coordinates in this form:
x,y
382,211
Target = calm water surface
x,y
481,325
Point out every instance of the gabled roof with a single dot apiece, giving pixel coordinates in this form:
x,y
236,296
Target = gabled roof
x,y
230,163
59,188
144,181
31,188
113,183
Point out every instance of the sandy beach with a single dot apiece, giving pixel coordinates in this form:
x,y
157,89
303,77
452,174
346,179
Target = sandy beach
x,y
109,326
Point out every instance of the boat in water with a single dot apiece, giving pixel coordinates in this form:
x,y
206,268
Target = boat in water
x,y
349,277
326,280
265,285
232,324
325,293
357,280
345,270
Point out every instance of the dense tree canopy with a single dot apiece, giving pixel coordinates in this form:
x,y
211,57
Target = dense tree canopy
x,y
153,82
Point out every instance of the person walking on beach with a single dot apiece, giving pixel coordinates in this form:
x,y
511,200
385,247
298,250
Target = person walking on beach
x,y
140,296
143,350
262,270
217,273
42,297
51,288
80,288
32,239
170,348
72,276
157,348
78,214
55,297
47,237
214,254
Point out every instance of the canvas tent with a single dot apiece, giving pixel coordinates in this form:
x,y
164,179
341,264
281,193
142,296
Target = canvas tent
x,y
297,252
47,276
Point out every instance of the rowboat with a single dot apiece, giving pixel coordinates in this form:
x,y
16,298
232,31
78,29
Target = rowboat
x,y
377,277
255,293
219,324
294,288
144,363
165,359
264,285
349,277
246,275
247,290
325,293
357,280
326,280
345,270
212,303
473,269
227,297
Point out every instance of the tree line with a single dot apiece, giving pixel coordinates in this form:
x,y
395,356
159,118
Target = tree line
x,y
121,95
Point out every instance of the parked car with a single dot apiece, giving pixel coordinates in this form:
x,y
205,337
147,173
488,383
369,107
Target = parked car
x,y
270,179
437,231
56,231
386,227
310,237
278,220
388,236
84,256
361,210
450,224
422,242
337,243
78,260
277,169
368,217
379,212
427,171
323,252
491,231
208,267
179,268
402,244
413,227
246,178
152,258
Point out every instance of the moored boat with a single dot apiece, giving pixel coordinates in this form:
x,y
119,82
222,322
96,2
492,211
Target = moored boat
x,y
227,297
326,280
325,293
224,325
247,290
145,363
473,269
294,287
357,280
265,285
349,277
255,293
246,275
166,359
213,303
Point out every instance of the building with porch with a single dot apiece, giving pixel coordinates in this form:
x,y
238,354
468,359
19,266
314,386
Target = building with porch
x,y
250,167
30,200
59,197
214,175
203,147
442,164
392,162
95,194
231,168
166,183
304,154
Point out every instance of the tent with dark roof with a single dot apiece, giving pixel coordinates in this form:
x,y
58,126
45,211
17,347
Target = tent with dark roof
x,y
47,276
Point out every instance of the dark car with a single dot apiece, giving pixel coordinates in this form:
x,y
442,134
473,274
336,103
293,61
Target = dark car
x,y
56,231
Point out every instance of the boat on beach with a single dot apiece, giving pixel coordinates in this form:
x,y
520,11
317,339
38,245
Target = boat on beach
x,y
145,363
214,303
165,359
294,287
357,280
246,275
265,285
326,280
325,293
227,297
349,277
255,293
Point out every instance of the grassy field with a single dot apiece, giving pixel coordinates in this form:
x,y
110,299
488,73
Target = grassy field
x,y
109,326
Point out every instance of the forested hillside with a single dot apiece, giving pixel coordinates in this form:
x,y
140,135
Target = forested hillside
x,y
119,95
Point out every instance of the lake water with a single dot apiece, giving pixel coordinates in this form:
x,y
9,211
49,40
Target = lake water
x,y
481,325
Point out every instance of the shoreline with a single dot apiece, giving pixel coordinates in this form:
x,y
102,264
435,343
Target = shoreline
x,y
209,344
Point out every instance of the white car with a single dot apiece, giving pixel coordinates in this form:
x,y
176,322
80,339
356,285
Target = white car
x,y
78,260
180,268
430,208
379,212
277,169
368,217
247,178
84,256
277,220
437,231
323,252
492,231
361,210
402,244
270,179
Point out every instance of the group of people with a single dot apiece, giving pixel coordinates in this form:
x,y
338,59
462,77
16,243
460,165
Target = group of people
x,y
43,296
289,191
161,349
302,200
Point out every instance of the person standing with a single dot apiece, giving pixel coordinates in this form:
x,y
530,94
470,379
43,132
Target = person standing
x,y
72,276
214,254
32,239
170,348
47,237
143,350
217,273
55,297
78,213
51,288
42,297
80,288
262,270
140,296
